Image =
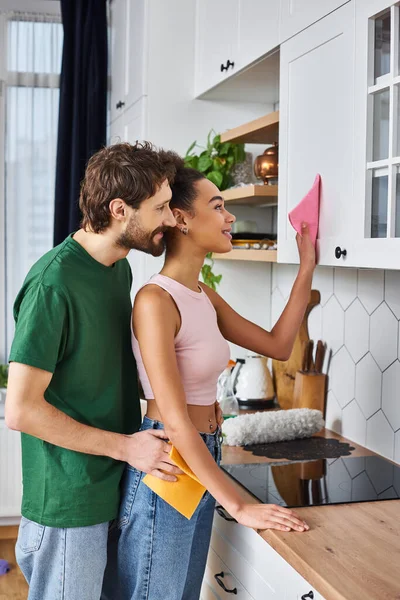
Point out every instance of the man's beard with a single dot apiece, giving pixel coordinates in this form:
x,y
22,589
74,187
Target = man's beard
x,y
135,238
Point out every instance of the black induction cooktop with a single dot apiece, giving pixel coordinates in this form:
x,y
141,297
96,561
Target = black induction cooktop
x,y
325,481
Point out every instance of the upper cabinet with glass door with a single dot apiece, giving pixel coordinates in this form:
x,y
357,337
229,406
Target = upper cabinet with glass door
x,y
377,136
339,116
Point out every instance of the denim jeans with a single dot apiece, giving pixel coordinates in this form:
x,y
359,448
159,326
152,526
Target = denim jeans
x,y
62,564
155,552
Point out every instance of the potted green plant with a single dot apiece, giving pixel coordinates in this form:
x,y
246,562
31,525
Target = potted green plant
x,y
216,162
3,386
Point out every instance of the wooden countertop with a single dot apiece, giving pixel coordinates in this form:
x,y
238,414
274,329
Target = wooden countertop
x,y
352,551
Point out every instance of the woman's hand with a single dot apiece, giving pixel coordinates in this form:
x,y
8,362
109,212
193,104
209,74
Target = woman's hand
x,y
306,249
269,516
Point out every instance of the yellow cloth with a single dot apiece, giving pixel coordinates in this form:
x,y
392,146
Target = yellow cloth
x,y
185,494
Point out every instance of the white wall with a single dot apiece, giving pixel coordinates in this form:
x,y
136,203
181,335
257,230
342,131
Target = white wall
x,y
246,286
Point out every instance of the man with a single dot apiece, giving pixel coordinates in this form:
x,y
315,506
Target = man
x,y
72,388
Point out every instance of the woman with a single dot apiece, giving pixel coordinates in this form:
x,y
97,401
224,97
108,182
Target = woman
x,y
180,330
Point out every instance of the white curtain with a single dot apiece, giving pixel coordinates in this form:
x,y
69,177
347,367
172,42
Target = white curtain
x,y
34,51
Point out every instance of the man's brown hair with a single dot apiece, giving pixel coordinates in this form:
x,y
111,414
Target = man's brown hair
x,y
132,173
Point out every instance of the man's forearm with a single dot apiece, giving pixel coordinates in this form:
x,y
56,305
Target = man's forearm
x,y
286,328
48,423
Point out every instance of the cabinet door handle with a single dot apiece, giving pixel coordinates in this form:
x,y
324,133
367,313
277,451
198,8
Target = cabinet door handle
x,y
119,104
218,577
339,252
222,514
309,595
226,67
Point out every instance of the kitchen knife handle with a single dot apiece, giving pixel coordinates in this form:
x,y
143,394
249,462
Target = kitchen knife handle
x,y
305,353
319,357
310,362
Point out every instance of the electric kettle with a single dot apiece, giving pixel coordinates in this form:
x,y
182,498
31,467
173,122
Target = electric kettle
x,y
252,382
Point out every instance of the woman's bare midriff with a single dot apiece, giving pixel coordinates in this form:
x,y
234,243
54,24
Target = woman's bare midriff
x,y
202,417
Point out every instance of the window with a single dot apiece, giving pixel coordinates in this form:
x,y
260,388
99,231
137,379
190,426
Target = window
x,y
383,151
31,99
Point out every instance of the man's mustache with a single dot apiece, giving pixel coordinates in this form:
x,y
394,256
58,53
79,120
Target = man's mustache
x,y
160,230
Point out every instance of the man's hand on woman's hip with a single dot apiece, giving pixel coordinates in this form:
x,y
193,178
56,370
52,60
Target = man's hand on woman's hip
x,y
148,451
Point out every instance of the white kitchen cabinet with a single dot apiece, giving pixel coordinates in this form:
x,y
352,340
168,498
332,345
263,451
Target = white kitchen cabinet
x,y
136,55
10,472
297,588
216,42
230,35
377,136
296,15
135,121
131,124
251,566
316,131
118,56
339,116
128,54
258,29
217,570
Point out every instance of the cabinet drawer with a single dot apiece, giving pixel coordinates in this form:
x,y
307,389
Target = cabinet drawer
x,y
206,592
281,581
244,571
215,566
269,565
297,588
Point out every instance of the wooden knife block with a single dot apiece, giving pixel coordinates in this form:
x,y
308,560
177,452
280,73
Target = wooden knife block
x,y
285,372
309,391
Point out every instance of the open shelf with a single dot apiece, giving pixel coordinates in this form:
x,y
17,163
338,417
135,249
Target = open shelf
x,y
252,195
264,130
253,255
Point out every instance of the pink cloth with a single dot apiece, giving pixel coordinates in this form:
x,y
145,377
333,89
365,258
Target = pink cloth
x,y
307,211
202,353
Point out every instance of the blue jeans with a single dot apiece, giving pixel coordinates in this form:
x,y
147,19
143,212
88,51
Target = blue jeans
x,y
62,564
155,552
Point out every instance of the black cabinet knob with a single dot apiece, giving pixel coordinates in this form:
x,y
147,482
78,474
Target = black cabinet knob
x,y
218,578
310,595
119,104
226,67
339,252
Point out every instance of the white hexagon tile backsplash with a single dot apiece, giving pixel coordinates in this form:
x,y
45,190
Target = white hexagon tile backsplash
x,y
359,319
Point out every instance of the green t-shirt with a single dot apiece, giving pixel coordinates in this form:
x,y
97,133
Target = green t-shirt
x,y
73,319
